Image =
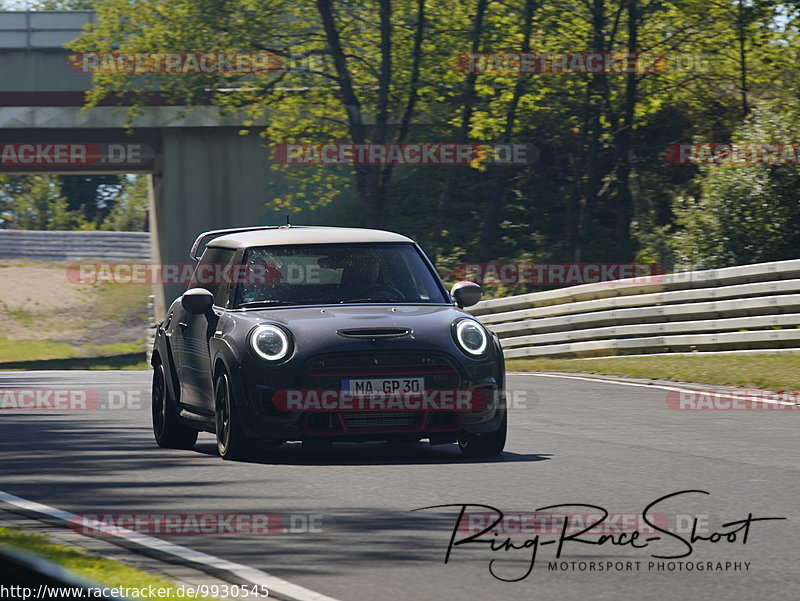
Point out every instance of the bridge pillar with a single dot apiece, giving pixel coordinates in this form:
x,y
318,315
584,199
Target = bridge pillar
x,y
206,178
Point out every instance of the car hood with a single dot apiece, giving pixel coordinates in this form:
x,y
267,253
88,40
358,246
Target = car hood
x,y
320,327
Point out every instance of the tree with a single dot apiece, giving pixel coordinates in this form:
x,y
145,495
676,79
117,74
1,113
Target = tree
x,y
35,203
385,71
374,68
92,195
130,213
745,213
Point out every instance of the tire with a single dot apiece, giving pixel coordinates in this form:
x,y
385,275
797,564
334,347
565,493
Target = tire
x,y
487,444
232,443
169,432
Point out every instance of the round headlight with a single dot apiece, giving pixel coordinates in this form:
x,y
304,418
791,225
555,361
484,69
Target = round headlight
x,y
471,337
269,342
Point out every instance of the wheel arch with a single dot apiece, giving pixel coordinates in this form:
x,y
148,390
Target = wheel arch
x,y
501,361
224,359
162,355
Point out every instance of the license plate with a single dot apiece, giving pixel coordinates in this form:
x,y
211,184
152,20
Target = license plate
x,y
383,386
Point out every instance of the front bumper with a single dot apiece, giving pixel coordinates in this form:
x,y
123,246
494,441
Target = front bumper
x,y
441,372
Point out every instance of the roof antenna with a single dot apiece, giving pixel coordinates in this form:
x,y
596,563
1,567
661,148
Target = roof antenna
x,y
287,221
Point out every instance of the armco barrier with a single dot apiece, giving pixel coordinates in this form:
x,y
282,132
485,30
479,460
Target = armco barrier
x,y
74,246
734,308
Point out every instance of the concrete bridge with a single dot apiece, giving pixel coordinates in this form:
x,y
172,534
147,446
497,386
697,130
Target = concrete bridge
x,y
204,174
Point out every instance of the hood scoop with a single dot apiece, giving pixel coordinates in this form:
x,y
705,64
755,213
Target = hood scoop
x,y
374,333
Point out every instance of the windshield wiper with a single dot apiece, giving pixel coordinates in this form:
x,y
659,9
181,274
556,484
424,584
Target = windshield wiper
x,y
371,300
266,303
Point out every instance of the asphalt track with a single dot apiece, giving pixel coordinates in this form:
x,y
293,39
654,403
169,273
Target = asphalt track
x,y
610,445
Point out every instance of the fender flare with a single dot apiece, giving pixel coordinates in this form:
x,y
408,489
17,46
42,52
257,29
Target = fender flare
x,y
163,351
221,351
501,362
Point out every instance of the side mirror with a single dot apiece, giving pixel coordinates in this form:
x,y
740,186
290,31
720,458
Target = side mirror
x,y
466,294
198,301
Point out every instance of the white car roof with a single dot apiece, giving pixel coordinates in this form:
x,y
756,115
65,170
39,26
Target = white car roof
x,y
304,235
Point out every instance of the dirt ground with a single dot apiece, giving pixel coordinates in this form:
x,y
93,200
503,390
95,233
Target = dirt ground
x,y
37,302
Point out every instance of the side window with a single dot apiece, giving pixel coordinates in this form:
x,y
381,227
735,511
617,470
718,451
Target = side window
x,y
214,272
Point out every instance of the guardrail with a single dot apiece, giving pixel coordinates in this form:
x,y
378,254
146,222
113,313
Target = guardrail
x,y
734,308
77,245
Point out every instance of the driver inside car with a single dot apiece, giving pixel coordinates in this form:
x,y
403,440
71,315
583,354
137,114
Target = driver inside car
x,y
361,276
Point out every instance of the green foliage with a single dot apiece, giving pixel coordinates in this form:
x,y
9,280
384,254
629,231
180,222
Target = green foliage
x,y
129,213
745,213
35,203
601,190
93,195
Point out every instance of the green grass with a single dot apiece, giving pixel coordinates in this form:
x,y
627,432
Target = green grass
x,y
109,306
98,569
23,351
119,302
33,350
23,316
774,372
130,361
114,348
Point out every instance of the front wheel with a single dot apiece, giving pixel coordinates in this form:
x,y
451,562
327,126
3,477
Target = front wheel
x,y
485,444
232,443
167,429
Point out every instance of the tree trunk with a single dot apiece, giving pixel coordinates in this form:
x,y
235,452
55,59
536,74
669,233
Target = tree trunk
x,y
443,205
624,198
742,34
593,130
369,188
501,176
413,89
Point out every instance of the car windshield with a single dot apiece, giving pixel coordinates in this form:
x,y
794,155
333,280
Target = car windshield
x,y
316,274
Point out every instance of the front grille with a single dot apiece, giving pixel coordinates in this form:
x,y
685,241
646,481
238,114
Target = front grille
x,y
361,422
380,420
328,371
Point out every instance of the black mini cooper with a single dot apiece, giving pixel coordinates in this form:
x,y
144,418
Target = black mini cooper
x,y
319,334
